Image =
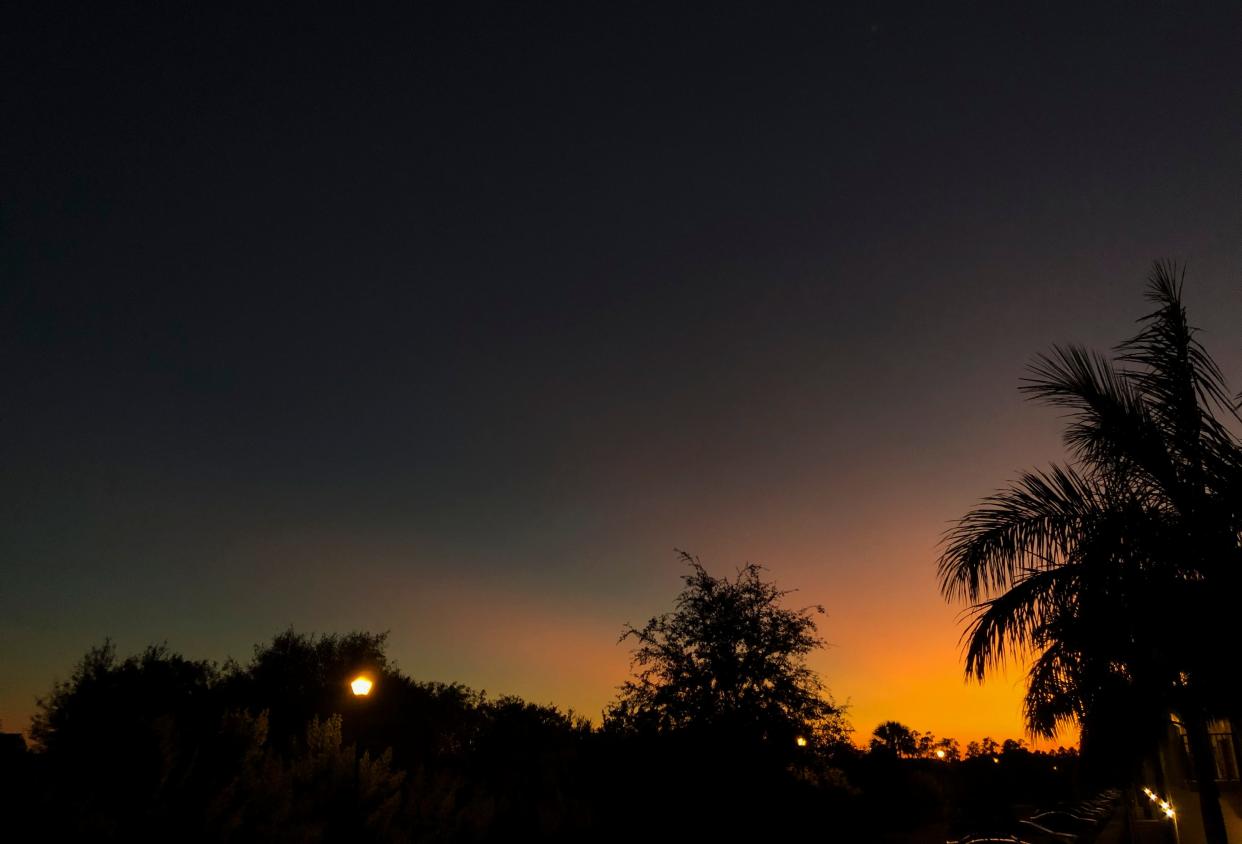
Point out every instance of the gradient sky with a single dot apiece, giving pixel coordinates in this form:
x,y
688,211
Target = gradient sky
x,y
456,322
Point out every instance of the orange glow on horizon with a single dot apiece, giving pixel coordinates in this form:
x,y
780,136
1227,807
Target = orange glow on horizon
x,y
885,660
892,650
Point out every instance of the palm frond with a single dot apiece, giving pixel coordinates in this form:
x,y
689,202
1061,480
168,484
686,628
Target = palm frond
x,y
1009,625
1106,572
1054,699
1178,374
1032,524
1110,423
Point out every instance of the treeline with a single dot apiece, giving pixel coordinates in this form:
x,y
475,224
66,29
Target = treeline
x,y
156,746
896,739
280,749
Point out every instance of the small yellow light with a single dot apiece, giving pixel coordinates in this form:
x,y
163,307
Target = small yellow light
x,y
1152,795
1164,804
1168,813
361,686
801,742
996,759
939,754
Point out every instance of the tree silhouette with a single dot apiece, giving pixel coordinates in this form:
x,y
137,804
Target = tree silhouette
x,y
159,741
729,659
986,747
895,739
949,747
122,739
723,729
299,676
1116,572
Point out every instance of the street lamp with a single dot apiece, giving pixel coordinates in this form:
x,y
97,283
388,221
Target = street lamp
x,y
361,687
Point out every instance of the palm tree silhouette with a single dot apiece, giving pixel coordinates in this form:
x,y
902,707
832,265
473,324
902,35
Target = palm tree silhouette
x,y
895,738
1116,572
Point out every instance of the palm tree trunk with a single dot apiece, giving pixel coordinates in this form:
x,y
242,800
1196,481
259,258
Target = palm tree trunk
x,y
1205,773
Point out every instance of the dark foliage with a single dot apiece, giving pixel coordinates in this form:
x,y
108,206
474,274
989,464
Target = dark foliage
x,y
1117,574
157,747
729,660
279,749
723,723
128,740
895,739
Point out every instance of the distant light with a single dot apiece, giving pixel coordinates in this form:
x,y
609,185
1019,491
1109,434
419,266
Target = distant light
x,y
939,754
1164,804
1054,767
361,686
996,759
1152,795
1168,813
801,742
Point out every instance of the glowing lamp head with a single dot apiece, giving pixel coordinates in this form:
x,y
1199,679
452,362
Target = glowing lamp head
x,y
939,754
1168,813
996,760
361,686
800,741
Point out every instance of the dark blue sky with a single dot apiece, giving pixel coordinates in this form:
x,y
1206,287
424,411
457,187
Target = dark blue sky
x,y
455,321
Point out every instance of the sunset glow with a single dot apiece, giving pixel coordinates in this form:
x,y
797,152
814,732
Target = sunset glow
x,y
638,422
544,321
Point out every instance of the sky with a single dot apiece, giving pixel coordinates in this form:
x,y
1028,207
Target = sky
x,y
456,320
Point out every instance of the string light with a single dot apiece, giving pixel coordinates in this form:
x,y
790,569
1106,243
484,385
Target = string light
x,y
1165,806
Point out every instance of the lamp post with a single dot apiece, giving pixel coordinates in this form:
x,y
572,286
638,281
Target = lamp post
x,y
361,687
